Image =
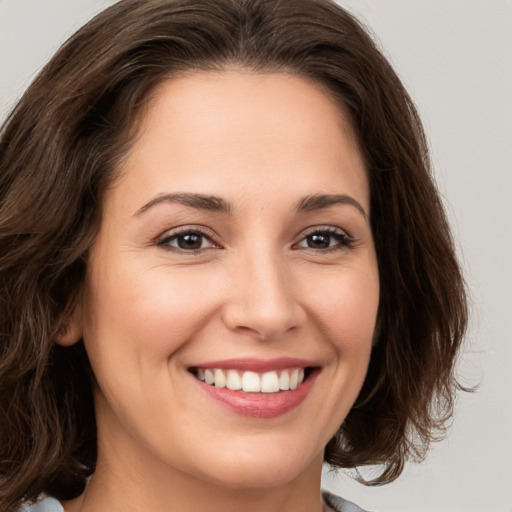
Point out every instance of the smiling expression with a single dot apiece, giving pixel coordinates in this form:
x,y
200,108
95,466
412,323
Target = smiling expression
x,y
232,290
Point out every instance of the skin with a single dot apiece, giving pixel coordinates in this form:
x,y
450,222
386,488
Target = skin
x,y
254,288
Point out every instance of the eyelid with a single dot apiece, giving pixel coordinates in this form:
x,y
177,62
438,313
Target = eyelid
x,y
347,243
170,234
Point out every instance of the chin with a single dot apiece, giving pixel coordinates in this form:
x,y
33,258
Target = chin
x,y
261,468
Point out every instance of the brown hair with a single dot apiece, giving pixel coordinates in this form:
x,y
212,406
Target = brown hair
x,y
59,149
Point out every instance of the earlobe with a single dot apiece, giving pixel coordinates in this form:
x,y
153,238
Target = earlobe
x,y
70,331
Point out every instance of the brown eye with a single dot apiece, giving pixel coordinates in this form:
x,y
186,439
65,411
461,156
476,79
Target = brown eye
x,y
187,241
318,241
326,240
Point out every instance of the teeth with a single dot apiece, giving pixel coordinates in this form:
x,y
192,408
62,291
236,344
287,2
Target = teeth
x,y
208,377
252,382
233,382
269,382
284,381
220,378
294,379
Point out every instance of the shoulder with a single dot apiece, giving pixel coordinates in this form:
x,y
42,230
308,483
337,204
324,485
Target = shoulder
x,y
338,504
335,502
46,505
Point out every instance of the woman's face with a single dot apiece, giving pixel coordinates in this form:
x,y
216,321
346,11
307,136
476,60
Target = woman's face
x,y
235,250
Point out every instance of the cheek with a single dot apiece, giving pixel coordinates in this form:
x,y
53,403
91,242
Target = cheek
x,y
344,304
151,311
141,308
169,308
139,322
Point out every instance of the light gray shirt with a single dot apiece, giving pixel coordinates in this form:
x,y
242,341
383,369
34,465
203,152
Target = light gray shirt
x,y
335,502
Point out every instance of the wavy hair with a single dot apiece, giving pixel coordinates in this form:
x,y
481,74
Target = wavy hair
x,y
60,148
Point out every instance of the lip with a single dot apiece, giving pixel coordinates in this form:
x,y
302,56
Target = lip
x,y
259,405
258,365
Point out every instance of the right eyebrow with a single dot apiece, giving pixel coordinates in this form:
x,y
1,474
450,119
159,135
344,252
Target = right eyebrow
x,y
199,201
319,201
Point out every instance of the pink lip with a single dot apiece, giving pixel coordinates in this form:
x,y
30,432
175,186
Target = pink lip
x,y
258,365
260,405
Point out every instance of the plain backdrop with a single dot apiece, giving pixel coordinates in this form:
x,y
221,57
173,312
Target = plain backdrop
x,y
454,56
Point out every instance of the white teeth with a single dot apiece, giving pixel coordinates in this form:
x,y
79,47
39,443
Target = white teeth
x,y
294,378
284,381
251,382
233,381
269,382
220,378
208,377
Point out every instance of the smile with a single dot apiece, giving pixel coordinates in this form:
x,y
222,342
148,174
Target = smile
x,y
257,388
250,381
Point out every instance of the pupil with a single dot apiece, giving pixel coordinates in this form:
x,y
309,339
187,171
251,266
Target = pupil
x,y
190,241
319,241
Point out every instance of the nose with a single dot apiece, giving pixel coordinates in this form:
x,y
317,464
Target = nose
x,y
262,301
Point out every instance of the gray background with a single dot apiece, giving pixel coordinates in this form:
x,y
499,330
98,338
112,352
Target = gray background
x,y
454,56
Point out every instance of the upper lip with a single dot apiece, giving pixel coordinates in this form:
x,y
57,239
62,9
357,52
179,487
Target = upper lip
x,y
257,365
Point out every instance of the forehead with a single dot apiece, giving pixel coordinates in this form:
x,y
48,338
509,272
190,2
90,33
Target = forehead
x,y
244,99
226,132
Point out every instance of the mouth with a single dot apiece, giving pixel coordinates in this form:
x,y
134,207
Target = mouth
x,y
247,381
259,389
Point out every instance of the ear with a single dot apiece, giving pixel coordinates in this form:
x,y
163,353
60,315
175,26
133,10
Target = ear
x,y
70,330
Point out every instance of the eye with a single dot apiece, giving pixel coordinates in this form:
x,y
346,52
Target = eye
x,y
325,239
189,240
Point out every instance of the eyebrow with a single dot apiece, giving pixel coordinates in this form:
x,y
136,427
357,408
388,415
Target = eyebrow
x,y
199,201
217,204
319,201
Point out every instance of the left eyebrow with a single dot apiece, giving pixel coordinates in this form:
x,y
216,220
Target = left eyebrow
x,y
319,201
199,201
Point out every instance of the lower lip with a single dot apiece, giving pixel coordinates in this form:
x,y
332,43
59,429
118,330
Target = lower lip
x,y
260,405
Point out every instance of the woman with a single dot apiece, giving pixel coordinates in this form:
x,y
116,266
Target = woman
x,y
223,262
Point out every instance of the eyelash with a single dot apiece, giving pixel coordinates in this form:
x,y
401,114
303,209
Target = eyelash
x,y
165,241
344,240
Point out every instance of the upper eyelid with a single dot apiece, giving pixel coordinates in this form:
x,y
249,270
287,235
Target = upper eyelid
x,y
348,241
175,232
323,228
213,237
164,240
187,228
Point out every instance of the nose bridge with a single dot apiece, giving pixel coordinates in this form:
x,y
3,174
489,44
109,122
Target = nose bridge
x,y
264,302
